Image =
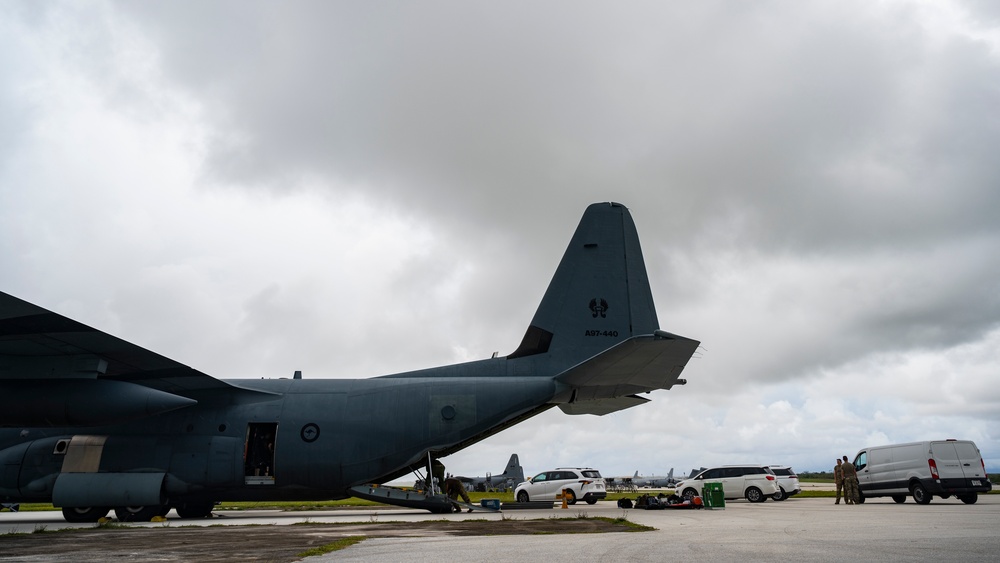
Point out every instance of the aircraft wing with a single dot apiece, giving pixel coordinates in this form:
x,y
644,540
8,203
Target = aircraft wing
x,y
608,382
53,364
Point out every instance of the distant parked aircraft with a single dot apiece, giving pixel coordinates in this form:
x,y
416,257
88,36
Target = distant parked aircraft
x,y
655,481
511,476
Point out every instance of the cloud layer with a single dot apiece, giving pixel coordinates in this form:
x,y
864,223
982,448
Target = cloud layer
x,y
358,189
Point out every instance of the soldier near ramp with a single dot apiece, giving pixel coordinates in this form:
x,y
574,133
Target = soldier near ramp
x,y
851,495
454,489
838,478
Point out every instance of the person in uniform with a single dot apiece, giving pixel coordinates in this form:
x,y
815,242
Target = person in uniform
x,y
851,495
838,479
454,489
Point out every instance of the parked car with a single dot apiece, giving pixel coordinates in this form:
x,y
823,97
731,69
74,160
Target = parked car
x,y
788,482
582,483
755,483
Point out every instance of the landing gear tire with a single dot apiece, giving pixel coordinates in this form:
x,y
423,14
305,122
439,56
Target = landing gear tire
x,y
85,513
195,509
522,497
920,494
138,513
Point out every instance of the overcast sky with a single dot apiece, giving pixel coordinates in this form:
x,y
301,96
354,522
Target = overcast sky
x,y
358,188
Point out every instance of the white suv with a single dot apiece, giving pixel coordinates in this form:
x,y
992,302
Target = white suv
x,y
788,482
582,482
753,482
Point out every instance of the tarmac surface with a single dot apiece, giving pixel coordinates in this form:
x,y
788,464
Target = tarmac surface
x,y
798,529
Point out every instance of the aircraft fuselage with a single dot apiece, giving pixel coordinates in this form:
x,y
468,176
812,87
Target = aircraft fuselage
x,y
299,439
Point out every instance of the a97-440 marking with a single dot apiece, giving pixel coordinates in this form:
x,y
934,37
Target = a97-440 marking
x,y
611,333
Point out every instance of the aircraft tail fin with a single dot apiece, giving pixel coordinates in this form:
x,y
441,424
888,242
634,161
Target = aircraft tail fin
x,y
596,328
599,295
514,470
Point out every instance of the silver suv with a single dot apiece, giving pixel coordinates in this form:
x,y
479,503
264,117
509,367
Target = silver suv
x,y
755,483
582,483
788,482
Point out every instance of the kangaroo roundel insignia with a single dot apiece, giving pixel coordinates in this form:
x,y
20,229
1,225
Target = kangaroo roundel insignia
x,y
310,432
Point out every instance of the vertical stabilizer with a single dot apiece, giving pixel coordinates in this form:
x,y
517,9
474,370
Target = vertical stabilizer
x,y
599,295
513,470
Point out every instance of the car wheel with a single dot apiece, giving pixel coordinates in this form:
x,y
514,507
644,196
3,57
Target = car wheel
x,y
594,501
570,496
920,494
689,494
780,495
753,494
522,496
899,499
969,498
84,513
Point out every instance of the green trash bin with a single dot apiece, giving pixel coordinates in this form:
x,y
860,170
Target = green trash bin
x,y
713,495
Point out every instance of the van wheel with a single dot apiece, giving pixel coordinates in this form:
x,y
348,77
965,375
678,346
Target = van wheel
x,y
899,499
969,499
522,496
754,494
689,494
920,494
780,495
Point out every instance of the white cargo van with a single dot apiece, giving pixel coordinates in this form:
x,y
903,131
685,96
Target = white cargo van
x,y
922,469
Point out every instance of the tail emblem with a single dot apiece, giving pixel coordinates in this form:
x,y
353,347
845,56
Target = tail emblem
x,y
599,307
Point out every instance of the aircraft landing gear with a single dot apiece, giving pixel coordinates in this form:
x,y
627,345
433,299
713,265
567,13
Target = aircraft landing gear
x,y
140,513
195,509
84,513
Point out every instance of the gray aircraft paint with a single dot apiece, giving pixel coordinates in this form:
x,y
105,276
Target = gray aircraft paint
x,y
93,420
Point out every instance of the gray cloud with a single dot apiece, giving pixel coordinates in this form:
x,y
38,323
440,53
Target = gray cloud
x,y
299,184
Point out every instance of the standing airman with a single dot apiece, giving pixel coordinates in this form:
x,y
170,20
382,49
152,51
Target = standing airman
x,y
838,478
851,495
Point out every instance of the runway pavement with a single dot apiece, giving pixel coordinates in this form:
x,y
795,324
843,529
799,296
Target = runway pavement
x,y
794,530
799,529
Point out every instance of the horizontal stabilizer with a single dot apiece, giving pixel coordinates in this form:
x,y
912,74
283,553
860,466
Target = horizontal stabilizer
x,y
602,407
637,365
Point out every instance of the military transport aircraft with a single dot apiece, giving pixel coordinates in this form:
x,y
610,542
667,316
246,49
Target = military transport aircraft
x,y
655,481
512,475
92,423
